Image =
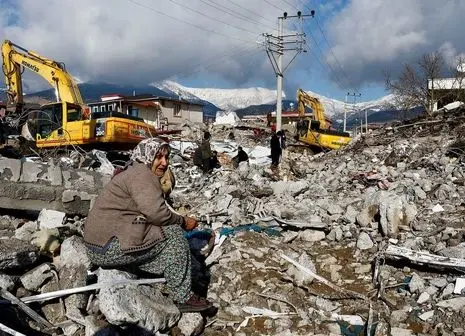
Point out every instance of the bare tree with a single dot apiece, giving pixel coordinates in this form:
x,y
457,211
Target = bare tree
x,y
422,84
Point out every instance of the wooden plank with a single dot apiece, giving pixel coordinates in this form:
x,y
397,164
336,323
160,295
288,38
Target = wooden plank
x,y
423,258
324,280
10,331
31,313
64,292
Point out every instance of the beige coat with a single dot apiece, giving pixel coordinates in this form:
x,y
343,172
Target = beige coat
x,y
116,213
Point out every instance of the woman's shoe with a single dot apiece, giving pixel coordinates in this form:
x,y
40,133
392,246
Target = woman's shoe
x,y
194,304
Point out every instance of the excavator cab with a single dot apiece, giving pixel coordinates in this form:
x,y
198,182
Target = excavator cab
x,y
53,122
314,125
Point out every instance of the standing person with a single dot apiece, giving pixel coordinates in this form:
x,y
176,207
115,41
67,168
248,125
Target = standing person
x,y
268,119
203,154
276,150
130,226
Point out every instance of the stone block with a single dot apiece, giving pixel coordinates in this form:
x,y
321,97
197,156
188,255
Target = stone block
x,y
15,253
31,172
10,169
55,175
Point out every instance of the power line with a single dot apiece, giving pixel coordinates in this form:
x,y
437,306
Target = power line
x,y
245,18
331,49
269,3
336,77
252,12
186,22
211,18
217,59
230,12
334,55
287,2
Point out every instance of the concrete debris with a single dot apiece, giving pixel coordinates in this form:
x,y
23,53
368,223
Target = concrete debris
x,y
366,239
33,279
17,254
50,219
135,304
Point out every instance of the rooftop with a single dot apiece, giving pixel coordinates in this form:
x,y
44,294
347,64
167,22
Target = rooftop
x,y
140,97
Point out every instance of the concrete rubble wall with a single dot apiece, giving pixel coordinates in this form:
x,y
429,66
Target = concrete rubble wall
x,y
35,186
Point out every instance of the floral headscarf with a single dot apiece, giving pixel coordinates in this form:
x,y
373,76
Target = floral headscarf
x,y
147,149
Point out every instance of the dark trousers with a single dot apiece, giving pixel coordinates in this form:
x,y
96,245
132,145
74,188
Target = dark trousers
x,y
275,155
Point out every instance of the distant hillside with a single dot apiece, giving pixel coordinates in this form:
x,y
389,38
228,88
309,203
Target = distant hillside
x,y
225,99
264,108
93,91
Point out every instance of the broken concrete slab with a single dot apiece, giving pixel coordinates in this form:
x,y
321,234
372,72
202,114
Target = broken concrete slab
x,y
7,282
140,305
455,304
74,253
17,254
33,279
50,219
10,169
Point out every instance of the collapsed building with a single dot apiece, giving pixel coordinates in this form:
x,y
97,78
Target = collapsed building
x,y
366,240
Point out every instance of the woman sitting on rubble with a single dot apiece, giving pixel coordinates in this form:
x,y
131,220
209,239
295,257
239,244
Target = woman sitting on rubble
x,y
131,227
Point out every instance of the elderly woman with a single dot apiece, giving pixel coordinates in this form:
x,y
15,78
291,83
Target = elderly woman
x,y
130,226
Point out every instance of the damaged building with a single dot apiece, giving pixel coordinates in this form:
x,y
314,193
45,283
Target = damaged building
x,y
162,112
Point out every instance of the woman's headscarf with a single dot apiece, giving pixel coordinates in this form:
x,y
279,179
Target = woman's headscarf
x,y
147,150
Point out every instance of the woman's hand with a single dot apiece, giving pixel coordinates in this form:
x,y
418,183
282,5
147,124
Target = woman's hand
x,y
190,223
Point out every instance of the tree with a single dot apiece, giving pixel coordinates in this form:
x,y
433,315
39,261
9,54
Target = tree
x,y
427,82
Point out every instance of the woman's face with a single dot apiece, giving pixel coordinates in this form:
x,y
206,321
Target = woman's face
x,y
160,164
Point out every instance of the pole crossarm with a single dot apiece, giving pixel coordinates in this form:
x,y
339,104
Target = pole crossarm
x,y
275,51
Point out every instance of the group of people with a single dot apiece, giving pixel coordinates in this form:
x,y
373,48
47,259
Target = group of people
x,y
131,226
207,159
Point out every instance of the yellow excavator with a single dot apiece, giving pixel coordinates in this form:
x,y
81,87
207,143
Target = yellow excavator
x,y
315,130
68,121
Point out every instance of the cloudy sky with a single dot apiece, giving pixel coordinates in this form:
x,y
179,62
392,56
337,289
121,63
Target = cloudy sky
x,y
213,43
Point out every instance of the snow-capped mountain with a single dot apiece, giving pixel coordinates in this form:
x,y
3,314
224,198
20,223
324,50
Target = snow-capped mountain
x,y
226,99
335,108
236,99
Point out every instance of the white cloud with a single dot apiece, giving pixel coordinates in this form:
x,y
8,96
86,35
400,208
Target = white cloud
x,y
120,41
369,36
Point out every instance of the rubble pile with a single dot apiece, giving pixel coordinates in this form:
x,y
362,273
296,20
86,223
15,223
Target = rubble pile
x,y
367,240
357,217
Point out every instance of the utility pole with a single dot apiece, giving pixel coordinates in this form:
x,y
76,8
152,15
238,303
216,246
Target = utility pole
x,y
354,96
275,48
345,113
366,121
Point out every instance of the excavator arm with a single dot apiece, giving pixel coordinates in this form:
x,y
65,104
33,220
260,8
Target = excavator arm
x,y
303,100
67,121
15,58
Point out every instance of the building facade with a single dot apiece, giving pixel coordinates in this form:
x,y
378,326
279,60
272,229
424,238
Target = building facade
x,y
161,112
444,91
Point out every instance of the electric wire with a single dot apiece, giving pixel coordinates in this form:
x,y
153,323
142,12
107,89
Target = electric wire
x,y
269,3
244,17
245,8
230,12
329,67
330,48
215,60
185,22
211,18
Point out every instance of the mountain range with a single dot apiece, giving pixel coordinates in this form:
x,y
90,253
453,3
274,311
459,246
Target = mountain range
x,y
254,100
